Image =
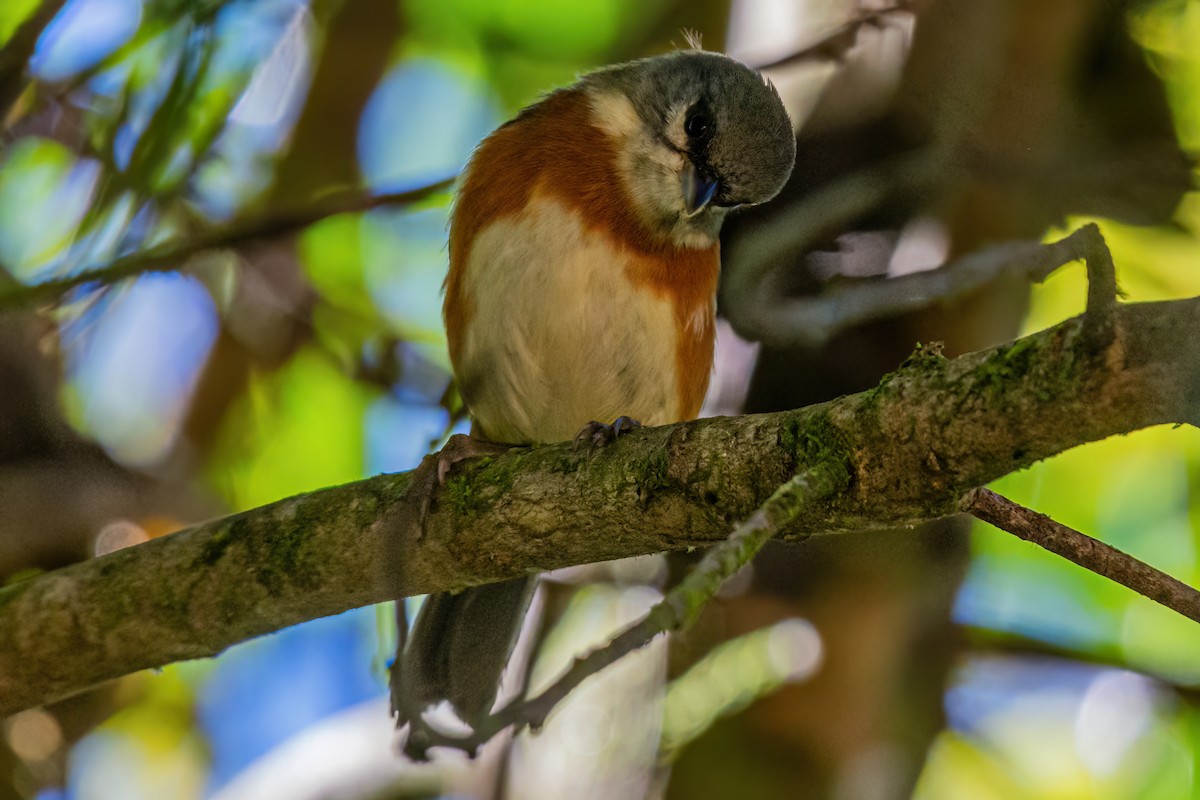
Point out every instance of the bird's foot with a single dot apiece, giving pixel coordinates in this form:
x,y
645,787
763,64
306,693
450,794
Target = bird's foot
x,y
430,474
597,434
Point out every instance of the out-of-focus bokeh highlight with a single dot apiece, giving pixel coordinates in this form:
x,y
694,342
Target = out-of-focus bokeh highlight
x,y
297,362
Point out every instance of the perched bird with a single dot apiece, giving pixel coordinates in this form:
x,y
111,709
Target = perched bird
x,y
582,288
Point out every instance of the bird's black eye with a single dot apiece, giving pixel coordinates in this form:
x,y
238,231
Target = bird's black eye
x,y
697,125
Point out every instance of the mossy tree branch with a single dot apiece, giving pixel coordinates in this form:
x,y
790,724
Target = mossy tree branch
x,y
677,610
912,447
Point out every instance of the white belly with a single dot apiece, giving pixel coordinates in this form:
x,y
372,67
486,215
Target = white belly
x,y
558,335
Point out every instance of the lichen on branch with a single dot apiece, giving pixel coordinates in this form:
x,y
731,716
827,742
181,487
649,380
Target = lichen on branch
x,y
911,447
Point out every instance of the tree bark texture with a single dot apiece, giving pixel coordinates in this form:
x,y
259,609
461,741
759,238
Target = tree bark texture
x,y
932,430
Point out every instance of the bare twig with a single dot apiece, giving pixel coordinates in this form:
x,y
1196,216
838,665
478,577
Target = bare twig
x,y
754,266
810,321
171,255
835,44
1092,555
1088,243
679,609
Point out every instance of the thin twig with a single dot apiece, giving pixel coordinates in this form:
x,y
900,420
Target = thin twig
x,y
837,43
676,611
811,321
1092,555
756,266
171,255
1103,290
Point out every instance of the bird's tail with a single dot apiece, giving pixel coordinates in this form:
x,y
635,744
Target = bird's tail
x,y
458,649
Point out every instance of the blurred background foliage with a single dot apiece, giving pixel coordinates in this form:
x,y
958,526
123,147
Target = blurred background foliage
x,y
309,351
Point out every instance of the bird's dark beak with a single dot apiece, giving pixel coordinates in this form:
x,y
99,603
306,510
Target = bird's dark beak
x,y
699,188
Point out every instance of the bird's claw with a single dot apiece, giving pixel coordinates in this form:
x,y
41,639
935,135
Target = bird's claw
x,y
433,470
597,434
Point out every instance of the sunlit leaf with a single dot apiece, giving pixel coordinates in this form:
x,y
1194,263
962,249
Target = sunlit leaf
x,y
405,264
735,674
331,253
298,429
1170,31
44,191
12,14
542,28
960,768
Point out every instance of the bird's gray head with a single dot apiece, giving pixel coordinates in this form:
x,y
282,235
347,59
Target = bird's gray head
x,y
698,134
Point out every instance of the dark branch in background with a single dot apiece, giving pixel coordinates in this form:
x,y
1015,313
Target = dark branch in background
x,y
1094,556
677,611
760,309
753,297
172,255
15,55
952,119
758,293
810,321
913,446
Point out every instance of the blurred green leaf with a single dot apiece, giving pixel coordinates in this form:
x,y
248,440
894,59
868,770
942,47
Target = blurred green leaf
x,y
1170,32
295,430
404,266
735,674
331,253
12,14
528,47
544,28
1045,743
44,192
958,768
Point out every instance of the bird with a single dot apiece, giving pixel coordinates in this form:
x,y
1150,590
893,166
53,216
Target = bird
x,y
580,300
